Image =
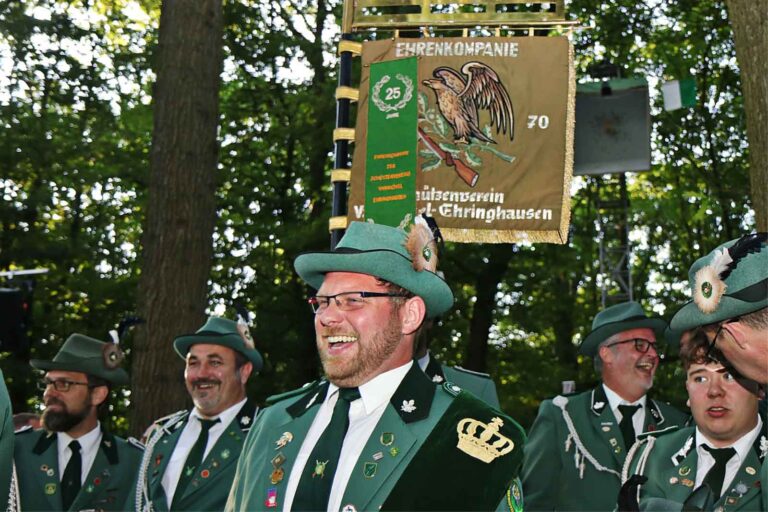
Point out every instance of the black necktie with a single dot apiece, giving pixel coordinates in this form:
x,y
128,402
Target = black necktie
x,y
626,426
194,459
314,488
70,479
716,475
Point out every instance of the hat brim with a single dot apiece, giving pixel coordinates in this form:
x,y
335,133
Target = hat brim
x,y
593,339
384,264
233,341
690,316
117,376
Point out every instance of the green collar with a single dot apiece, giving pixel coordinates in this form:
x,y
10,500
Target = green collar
x,y
434,369
108,445
246,415
314,395
413,397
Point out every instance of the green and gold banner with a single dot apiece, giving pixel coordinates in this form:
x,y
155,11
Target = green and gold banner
x,y
390,162
493,142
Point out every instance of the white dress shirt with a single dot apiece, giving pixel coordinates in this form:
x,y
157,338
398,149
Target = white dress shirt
x,y
638,419
188,439
706,461
89,447
364,414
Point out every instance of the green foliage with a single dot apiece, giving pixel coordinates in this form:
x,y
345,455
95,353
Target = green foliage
x,y
75,139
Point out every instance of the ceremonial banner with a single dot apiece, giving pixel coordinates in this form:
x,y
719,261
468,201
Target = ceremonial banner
x,y
494,154
390,163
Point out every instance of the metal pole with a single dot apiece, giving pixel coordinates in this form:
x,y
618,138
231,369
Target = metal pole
x,y
341,147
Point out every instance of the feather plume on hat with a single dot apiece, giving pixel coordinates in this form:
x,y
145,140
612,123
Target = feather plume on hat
x,y
112,353
242,326
709,282
422,246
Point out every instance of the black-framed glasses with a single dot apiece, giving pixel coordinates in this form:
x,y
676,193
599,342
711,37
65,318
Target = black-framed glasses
x,y
641,345
61,385
346,301
714,355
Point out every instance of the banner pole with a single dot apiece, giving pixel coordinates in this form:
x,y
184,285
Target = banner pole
x,y
341,146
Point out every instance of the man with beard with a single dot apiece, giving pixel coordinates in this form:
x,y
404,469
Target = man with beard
x,y
73,463
578,443
190,458
377,433
716,464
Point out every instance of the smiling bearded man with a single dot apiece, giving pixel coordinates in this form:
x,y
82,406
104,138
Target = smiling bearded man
x,y
74,462
577,444
377,433
190,457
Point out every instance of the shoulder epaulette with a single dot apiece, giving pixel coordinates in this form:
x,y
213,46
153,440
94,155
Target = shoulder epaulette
x,y
135,443
472,372
294,392
24,429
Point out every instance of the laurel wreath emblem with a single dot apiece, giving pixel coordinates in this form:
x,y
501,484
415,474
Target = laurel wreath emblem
x,y
376,94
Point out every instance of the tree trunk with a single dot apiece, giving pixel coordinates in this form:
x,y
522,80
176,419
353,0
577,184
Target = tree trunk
x,y
181,210
749,21
486,286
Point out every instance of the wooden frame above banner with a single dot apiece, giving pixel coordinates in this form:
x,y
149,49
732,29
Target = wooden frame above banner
x,y
428,25
402,14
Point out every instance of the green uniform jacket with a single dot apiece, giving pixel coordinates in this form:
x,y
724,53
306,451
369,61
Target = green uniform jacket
x,y
479,384
671,470
579,468
108,484
6,442
410,462
209,489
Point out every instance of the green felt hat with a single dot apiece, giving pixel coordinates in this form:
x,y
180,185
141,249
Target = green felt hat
x,y
81,353
224,332
379,251
730,281
616,319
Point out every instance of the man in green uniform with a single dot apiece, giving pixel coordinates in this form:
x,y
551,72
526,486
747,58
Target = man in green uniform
x,y
377,434
190,458
578,443
74,463
716,464
729,287
6,442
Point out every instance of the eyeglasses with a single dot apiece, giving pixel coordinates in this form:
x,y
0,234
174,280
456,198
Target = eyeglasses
x,y
61,385
711,354
346,301
641,345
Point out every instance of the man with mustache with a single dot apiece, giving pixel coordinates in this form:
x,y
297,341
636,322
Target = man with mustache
x,y
578,443
190,456
74,463
716,464
729,289
376,433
